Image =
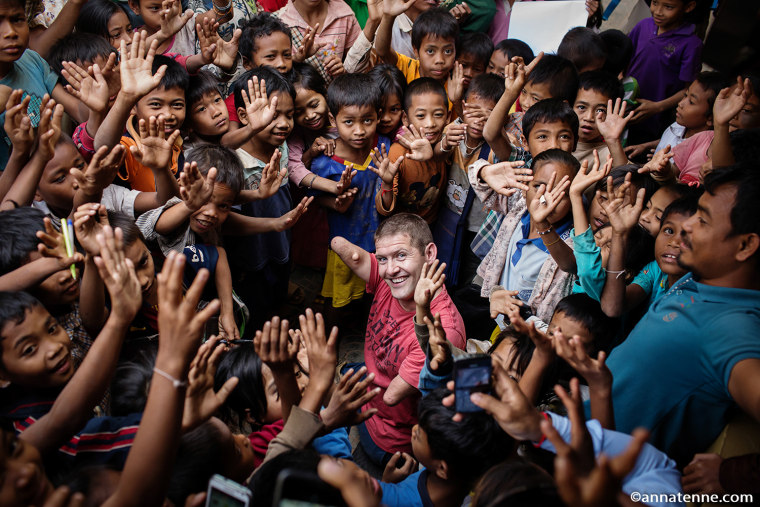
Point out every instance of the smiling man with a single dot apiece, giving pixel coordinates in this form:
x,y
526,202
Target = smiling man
x,y
403,244
707,321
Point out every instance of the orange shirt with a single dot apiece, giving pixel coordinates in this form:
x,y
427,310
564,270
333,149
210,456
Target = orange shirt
x,y
137,175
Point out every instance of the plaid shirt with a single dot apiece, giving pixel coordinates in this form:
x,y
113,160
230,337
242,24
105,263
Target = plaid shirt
x,y
486,235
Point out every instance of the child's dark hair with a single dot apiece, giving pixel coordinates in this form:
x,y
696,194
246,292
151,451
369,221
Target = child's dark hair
x,y
436,22
263,24
229,168
78,46
588,312
198,458
522,345
517,483
745,145
16,3
583,47
601,82
249,398
275,81
637,180
713,82
486,86
550,111
175,77
558,156
390,80
353,90
561,75
639,253
95,15
131,381
130,231
515,47
470,446
421,86
200,84
686,205
18,236
307,77
13,308
619,51
477,44
303,460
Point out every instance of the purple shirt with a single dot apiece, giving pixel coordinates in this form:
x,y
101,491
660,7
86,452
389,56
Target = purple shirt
x,y
666,63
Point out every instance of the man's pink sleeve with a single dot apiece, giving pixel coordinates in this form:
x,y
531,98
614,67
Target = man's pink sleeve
x,y
412,366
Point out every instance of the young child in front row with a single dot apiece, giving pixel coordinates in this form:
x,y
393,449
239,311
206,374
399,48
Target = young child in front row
x,y
415,178
462,213
354,101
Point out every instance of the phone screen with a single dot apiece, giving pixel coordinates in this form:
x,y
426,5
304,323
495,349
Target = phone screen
x,y
471,376
221,499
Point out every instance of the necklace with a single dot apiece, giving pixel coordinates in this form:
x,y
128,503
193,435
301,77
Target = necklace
x,y
467,150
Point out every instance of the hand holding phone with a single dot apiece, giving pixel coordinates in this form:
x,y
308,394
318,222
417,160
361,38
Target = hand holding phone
x,y
471,374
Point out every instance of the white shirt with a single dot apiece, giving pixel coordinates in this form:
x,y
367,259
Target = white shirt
x,y
401,36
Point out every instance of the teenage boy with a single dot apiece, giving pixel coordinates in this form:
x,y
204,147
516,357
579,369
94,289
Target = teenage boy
x,y
403,247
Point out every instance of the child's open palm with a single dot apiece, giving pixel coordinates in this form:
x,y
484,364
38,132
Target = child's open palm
x,y
258,108
91,90
612,125
572,350
321,349
506,178
730,101
136,72
455,85
346,177
586,178
516,73
272,176
396,7
290,218
623,210
154,149
439,346
172,18
86,227
415,141
430,282
659,166
214,49
345,200
49,129
382,166
274,346
543,342
53,246
101,170
548,198
18,126
118,274
348,397
306,49
194,189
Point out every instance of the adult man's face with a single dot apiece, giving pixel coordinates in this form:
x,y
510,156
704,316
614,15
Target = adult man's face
x,y
400,264
707,249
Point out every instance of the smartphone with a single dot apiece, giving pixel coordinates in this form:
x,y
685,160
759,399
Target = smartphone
x,y
298,488
223,492
471,374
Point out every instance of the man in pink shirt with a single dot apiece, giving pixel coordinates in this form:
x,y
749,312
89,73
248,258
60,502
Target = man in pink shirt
x,y
404,246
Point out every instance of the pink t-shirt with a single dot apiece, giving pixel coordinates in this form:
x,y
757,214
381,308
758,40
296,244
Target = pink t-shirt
x,y
390,349
690,154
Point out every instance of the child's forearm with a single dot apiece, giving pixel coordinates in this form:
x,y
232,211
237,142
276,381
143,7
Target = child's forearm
x,y
23,189
172,219
194,63
613,294
110,131
238,136
580,218
29,275
722,154
92,298
85,389
242,225
287,388
94,121
383,41
533,377
560,251
16,162
223,281
385,199
166,184
42,41
601,406
616,152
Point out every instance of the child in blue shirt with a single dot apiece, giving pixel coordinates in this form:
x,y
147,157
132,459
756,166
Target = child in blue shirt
x,y
354,101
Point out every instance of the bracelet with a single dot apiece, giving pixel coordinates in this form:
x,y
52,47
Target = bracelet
x,y
383,191
547,245
543,436
547,231
175,382
224,9
442,148
617,274
311,183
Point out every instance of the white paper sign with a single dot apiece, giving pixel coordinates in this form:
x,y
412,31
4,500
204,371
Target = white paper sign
x,y
541,25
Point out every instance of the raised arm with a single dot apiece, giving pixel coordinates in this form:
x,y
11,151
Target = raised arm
x,y
611,126
355,257
583,180
18,128
43,40
544,203
241,225
729,102
195,192
391,9
275,348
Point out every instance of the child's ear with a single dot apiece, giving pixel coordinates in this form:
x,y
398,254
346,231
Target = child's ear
x,y
250,419
416,54
523,141
135,6
404,118
37,196
247,64
442,469
690,6
242,116
331,118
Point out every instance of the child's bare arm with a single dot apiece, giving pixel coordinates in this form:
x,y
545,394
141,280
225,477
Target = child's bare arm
x,y
270,182
154,151
24,187
543,356
356,258
727,105
91,90
241,225
385,199
89,220
18,128
43,40
391,9
259,112
276,349
74,405
223,280
33,273
98,174
151,459
137,79
649,108
582,181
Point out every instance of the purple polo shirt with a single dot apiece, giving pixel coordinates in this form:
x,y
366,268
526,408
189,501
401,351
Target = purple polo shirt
x,y
664,64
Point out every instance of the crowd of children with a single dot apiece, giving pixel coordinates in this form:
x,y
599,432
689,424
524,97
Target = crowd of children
x,y
583,226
